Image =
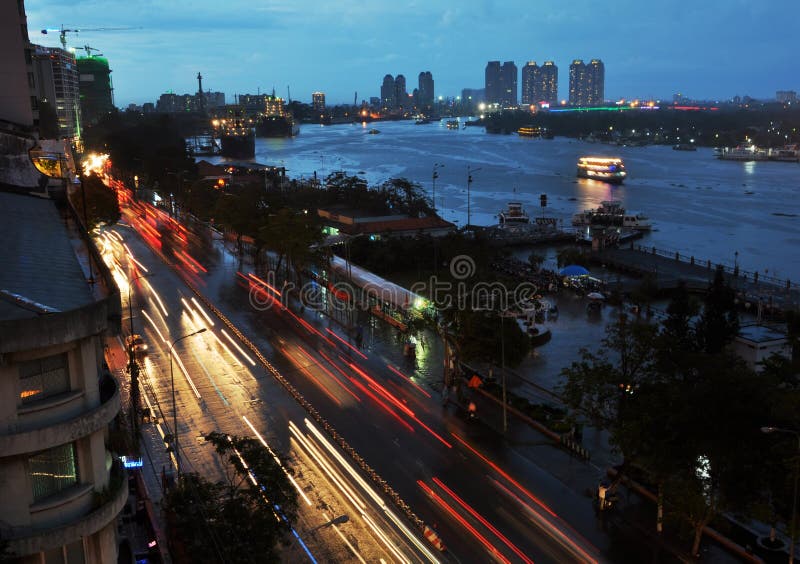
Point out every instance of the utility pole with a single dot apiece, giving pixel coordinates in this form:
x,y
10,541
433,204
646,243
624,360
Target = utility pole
x,y
175,447
469,203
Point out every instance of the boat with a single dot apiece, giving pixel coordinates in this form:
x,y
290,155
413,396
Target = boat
x,y
606,169
514,214
276,126
684,147
237,139
612,214
422,120
452,124
275,120
373,131
537,333
787,153
743,153
529,131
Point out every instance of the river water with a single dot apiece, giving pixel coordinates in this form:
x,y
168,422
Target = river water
x,y
718,210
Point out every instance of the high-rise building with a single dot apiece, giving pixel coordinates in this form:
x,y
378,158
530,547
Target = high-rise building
x,y
388,96
61,489
95,88
318,101
508,74
587,83
786,96
493,80
400,92
57,82
548,83
18,100
426,92
596,72
530,76
501,83
578,95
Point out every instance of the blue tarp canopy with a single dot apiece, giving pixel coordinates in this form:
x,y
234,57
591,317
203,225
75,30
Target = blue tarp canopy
x,y
573,270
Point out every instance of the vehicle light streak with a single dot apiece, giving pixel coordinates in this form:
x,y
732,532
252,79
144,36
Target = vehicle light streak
x,y
464,523
307,372
505,475
192,261
238,348
482,520
153,323
211,378
400,405
265,284
278,461
336,477
371,492
185,373
202,311
130,256
409,380
381,403
328,372
345,343
548,527
158,299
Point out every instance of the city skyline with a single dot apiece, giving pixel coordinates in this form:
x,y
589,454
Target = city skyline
x,y
347,48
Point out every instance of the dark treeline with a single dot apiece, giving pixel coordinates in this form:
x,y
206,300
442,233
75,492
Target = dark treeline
x,y
766,127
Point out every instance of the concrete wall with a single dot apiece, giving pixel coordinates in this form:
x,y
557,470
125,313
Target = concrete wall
x,y
16,167
15,102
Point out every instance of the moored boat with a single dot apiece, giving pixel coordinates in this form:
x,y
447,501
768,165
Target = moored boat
x,y
452,124
529,131
788,153
514,214
606,169
684,147
612,214
743,153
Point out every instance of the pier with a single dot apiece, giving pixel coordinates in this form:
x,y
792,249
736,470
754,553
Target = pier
x,y
668,268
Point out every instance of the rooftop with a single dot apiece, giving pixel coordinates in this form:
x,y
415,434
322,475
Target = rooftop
x,y
761,333
41,259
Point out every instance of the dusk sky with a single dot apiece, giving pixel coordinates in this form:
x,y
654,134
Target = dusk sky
x,y
710,49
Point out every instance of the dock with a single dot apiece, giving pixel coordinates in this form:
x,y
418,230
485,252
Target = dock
x,y
668,268
537,233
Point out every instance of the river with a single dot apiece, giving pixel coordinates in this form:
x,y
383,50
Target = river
x,y
719,210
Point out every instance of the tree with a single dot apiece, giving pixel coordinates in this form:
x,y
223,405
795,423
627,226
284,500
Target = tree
x,y
478,338
48,121
101,202
719,322
235,520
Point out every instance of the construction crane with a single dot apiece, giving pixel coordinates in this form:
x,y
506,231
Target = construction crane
x,y
64,31
89,50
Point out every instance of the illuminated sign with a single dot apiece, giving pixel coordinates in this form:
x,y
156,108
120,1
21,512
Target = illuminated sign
x,y
131,462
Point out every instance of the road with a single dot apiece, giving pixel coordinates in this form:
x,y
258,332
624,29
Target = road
x,y
488,499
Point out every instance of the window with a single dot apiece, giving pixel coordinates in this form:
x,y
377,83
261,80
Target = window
x,y
43,377
53,470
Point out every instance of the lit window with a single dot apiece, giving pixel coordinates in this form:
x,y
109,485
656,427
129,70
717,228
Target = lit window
x,y
43,377
53,470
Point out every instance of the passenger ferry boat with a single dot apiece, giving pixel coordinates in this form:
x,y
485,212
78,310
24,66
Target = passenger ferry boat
x,y
452,124
607,169
529,131
743,153
236,136
612,214
514,214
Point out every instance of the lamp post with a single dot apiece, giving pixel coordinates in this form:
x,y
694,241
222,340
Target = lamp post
x,y
435,175
769,430
133,368
469,184
175,448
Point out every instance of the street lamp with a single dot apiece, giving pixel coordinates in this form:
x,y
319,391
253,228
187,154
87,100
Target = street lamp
x,y
469,183
133,368
769,430
435,176
174,404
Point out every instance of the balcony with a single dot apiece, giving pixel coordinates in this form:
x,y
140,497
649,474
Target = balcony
x,y
61,432
31,540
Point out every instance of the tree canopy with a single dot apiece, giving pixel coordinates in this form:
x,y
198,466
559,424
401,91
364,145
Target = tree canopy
x,y
235,520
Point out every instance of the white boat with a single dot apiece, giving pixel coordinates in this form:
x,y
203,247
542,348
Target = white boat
x,y
514,214
743,153
788,153
606,169
612,213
